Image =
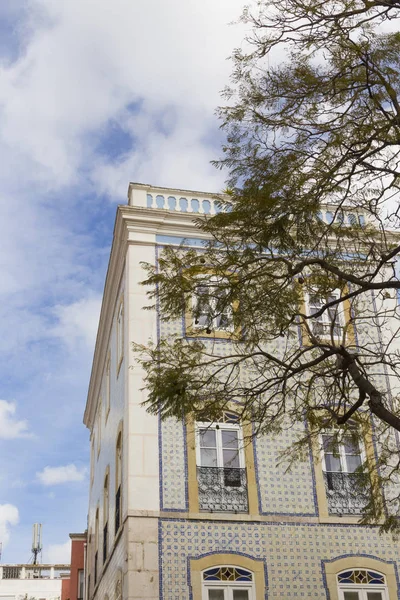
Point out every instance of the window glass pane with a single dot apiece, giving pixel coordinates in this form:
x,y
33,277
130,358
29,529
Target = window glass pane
x,y
241,595
216,595
374,595
208,457
332,463
350,445
207,438
229,439
329,444
353,463
202,306
351,596
231,458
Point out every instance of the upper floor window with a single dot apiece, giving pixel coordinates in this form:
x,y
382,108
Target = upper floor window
x,y
346,484
329,323
96,546
107,390
221,472
211,310
362,584
92,447
118,482
105,517
99,428
120,334
227,583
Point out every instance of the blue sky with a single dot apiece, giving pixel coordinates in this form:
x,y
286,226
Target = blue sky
x,y
93,94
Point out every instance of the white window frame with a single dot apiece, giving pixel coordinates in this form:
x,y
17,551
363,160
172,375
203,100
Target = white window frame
x,y
342,453
213,323
325,319
218,427
363,589
99,427
227,586
108,386
120,334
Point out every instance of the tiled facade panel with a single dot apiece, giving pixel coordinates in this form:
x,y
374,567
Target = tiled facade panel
x,y
293,553
174,472
280,492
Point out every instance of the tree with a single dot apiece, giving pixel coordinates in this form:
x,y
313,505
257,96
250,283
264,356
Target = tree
x,y
312,126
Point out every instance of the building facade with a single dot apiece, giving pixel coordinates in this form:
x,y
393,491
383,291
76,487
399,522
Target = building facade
x,y
186,511
27,581
73,587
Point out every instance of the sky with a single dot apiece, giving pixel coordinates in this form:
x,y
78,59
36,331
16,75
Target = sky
x,y
93,94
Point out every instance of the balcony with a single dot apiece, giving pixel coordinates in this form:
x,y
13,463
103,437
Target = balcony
x,y
222,489
347,493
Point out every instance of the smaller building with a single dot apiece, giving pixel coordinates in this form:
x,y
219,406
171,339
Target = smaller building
x,y
73,587
26,581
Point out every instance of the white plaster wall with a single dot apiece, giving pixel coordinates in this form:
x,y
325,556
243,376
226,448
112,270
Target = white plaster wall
x,y
143,470
50,589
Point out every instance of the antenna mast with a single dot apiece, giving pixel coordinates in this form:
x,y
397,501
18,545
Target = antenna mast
x,y
36,542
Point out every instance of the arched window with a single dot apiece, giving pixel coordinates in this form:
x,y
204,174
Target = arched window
x,y
221,469
96,546
118,482
362,584
105,516
227,583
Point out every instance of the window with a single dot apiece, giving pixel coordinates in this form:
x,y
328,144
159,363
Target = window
x,y
99,428
120,335
118,481
105,517
107,387
346,485
210,310
96,546
330,322
227,583
362,584
92,460
221,472
81,582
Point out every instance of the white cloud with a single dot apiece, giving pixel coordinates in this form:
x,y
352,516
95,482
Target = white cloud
x,y
62,474
154,69
8,516
155,52
77,322
10,426
59,553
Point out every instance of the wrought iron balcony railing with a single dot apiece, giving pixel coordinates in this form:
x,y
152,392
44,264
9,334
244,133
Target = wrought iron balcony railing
x,y
222,489
347,493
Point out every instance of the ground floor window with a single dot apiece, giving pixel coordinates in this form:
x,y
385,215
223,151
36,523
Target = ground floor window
x,y
227,583
361,584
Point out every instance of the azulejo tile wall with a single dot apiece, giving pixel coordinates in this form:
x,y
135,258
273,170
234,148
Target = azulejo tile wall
x,y
173,463
292,552
280,492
